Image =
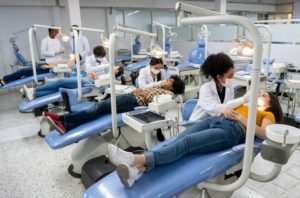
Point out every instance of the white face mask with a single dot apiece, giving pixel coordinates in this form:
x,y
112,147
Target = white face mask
x,y
228,82
155,71
71,34
100,59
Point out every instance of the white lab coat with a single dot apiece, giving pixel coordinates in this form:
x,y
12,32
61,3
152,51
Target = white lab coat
x,y
145,78
91,65
84,47
49,47
209,103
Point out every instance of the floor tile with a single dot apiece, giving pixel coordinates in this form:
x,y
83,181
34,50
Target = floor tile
x,y
246,192
294,171
295,190
286,181
270,190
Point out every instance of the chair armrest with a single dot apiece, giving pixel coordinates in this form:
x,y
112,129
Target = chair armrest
x,y
187,123
141,107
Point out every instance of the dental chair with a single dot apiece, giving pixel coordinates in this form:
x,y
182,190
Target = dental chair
x,y
242,78
135,49
183,178
197,55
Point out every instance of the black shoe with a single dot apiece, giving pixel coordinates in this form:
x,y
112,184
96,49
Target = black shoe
x,y
160,135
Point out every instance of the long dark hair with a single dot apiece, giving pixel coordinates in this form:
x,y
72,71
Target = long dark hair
x,y
155,61
120,73
216,64
275,108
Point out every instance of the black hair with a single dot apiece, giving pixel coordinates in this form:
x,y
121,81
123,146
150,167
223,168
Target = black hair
x,y
155,61
120,73
76,30
80,58
99,51
178,85
216,64
50,30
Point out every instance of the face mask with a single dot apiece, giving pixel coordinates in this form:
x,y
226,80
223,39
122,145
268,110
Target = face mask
x,y
228,82
71,34
100,59
155,71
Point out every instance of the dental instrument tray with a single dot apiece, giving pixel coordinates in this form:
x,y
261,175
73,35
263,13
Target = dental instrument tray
x,y
146,120
186,70
122,89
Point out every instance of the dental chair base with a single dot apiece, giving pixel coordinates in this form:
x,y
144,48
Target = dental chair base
x,y
96,146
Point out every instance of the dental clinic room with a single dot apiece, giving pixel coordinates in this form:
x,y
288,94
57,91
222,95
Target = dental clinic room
x,y
150,99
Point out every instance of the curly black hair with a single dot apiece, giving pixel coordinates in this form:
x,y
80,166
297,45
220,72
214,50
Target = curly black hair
x,y
178,85
216,64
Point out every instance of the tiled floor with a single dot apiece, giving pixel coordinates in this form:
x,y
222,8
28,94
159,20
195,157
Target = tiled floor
x,y
30,168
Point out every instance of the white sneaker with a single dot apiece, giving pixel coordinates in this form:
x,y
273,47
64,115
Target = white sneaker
x,y
127,174
28,93
118,156
21,90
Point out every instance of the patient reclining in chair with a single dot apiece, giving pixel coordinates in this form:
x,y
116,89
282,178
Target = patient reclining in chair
x,y
124,103
218,133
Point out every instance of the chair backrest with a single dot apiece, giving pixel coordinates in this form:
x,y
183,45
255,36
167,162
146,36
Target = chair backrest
x,y
82,74
19,57
168,46
71,94
197,55
137,83
188,109
137,46
263,66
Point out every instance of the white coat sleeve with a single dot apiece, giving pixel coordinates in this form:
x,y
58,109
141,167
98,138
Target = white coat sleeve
x,y
211,106
69,47
86,47
100,68
44,49
143,82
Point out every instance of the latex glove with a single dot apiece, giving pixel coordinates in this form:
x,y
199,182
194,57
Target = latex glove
x,y
57,52
246,97
159,84
62,50
106,66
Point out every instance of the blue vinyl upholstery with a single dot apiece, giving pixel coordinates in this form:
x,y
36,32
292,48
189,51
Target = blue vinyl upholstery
x,y
171,179
168,46
137,46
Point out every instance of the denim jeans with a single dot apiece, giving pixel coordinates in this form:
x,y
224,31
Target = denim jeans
x,y
124,103
27,71
211,135
54,86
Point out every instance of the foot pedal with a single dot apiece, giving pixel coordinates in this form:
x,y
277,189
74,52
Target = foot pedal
x,y
66,101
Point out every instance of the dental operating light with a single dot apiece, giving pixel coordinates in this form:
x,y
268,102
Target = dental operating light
x,y
105,42
156,51
243,47
64,37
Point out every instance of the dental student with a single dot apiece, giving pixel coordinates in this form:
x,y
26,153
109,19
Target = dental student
x,y
217,94
152,76
51,47
83,43
97,61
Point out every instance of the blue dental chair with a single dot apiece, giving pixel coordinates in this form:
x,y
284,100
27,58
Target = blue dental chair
x,y
197,54
135,49
172,179
249,69
168,46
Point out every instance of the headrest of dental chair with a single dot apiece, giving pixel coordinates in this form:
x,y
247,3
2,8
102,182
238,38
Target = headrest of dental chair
x,y
201,42
16,48
168,41
72,96
271,61
137,40
137,83
188,108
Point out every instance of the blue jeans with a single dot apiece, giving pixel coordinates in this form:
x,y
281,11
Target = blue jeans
x,y
24,72
52,87
211,135
124,103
